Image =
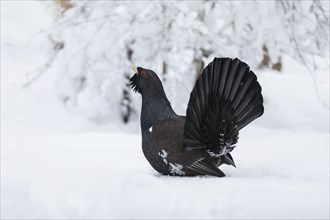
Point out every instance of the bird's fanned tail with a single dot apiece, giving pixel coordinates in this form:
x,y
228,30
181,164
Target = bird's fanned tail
x,y
226,98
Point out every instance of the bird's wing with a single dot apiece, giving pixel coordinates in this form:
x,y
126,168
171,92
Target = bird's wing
x,y
226,97
167,136
196,162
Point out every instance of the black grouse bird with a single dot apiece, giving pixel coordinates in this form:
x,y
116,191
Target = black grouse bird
x,y
226,98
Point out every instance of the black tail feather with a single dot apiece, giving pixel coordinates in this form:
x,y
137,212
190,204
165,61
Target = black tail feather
x,y
228,159
225,98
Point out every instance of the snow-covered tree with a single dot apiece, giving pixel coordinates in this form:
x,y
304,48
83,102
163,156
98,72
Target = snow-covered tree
x,y
96,43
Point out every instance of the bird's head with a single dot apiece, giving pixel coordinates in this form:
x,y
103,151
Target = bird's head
x,y
145,80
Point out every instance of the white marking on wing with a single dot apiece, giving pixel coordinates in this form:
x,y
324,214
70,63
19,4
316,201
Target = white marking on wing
x,y
176,169
163,154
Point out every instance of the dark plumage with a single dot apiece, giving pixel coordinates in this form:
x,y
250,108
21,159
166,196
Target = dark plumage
x,y
226,98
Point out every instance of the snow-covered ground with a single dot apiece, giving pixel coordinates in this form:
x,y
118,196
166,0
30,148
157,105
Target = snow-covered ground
x,y
56,164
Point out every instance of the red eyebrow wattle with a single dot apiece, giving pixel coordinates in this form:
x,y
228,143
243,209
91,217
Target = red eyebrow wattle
x,y
144,73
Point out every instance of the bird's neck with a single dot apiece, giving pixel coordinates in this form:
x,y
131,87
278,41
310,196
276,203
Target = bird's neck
x,y
155,107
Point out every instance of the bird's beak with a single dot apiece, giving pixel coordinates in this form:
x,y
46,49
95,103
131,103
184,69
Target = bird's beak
x,y
134,68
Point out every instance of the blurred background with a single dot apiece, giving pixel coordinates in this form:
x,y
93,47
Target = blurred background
x,y
70,122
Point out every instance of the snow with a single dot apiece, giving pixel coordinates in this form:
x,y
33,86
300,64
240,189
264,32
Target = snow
x,y
57,164
51,174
